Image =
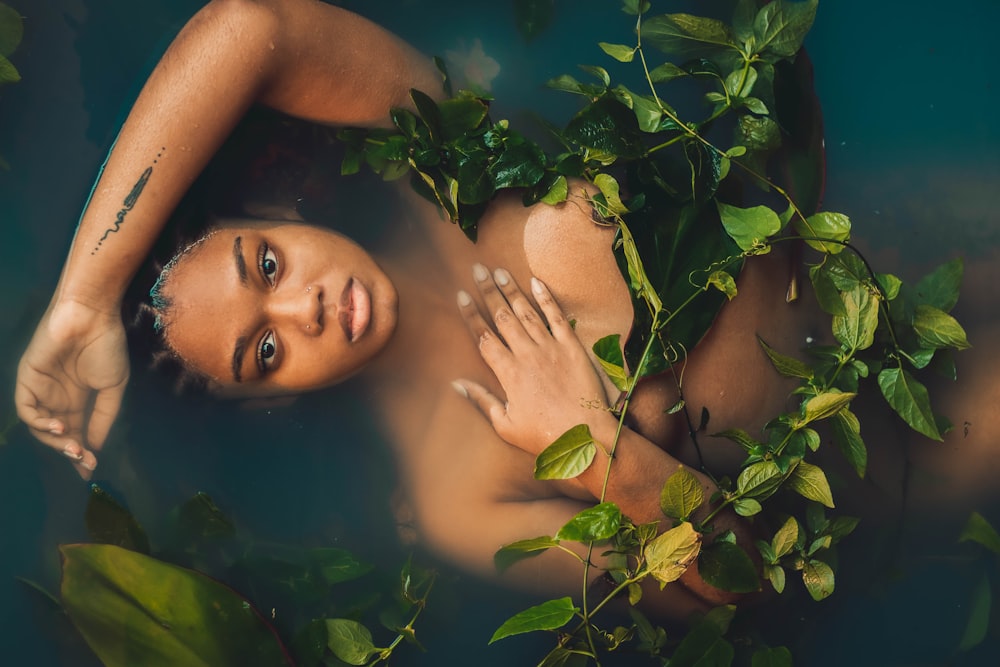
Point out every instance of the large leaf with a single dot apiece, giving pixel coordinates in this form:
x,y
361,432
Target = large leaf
x,y
910,400
940,287
687,35
672,552
938,329
349,640
136,610
110,523
568,456
607,126
749,227
727,567
546,616
593,524
780,26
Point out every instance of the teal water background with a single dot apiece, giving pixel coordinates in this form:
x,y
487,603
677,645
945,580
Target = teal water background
x,y
909,92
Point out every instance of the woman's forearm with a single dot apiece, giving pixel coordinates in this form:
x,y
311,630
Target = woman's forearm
x,y
299,56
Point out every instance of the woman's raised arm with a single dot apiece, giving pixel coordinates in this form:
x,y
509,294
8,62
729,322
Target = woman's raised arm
x,y
302,57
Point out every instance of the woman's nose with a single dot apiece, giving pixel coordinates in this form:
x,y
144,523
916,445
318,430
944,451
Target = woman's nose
x,y
301,308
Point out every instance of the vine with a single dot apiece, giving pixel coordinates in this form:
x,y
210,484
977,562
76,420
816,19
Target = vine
x,y
676,194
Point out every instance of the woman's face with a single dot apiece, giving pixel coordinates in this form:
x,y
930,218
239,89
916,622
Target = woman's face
x,y
266,308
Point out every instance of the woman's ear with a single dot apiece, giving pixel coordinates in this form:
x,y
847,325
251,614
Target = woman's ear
x,y
268,402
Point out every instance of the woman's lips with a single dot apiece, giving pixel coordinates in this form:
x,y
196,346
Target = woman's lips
x,y
355,310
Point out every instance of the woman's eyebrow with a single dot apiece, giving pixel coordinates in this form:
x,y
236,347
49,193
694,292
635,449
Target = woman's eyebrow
x,y
241,265
238,352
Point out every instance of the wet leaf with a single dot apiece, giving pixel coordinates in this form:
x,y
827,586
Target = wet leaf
x,y
784,540
818,578
669,554
749,227
940,287
780,26
511,553
855,329
593,524
978,624
682,495
825,405
546,616
568,456
846,431
978,529
779,656
110,523
349,640
607,126
133,609
909,399
810,482
938,329
727,567
824,225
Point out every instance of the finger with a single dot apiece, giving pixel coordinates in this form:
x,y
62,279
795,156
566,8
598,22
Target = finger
x,y
558,324
491,348
522,307
106,407
508,326
31,412
492,407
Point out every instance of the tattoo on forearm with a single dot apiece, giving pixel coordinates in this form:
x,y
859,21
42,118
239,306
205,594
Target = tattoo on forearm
x,y
128,202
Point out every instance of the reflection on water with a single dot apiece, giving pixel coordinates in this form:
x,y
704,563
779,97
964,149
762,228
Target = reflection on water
x,y
912,150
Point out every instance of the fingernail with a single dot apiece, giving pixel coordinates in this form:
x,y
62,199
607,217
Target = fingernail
x,y
463,298
460,389
55,427
72,452
502,277
479,272
536,286
89,465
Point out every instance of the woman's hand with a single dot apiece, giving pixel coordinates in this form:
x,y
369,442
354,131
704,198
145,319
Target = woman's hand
x,y
547,376
71,379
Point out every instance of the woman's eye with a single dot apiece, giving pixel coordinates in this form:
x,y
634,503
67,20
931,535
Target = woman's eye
x,y
268,262
265,352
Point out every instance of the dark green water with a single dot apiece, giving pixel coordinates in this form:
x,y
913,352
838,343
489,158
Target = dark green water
x,y
909,92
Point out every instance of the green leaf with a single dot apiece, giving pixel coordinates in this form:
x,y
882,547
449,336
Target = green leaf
x,y
609,354
549,615
607,126
666,72
759,480
619,52
568,456
979,615
755,105
670,553
199,519
825,405
8,73
749,227
635,7
521,165
110,523
609,187
682,494
727,567
11,29
776,575
890,285
780,26
722,281
557,193
687,35
855,329
787,366
809,481
779,656
516,551
338,565
739,84
131,607
978,529
533,16
747,507
461,115
349,640
593,524
846,431
824,225
784,540
940,287
910,400
827,294
938,329
818,578
703,646
740,437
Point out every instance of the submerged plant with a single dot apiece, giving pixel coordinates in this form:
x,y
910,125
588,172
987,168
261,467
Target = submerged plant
x,y
692,199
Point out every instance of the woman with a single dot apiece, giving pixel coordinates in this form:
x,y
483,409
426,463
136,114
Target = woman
x,y
265,308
